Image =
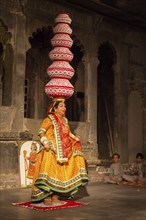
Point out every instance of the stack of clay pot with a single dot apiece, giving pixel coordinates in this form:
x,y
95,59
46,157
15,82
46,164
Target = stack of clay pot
x,y
60,71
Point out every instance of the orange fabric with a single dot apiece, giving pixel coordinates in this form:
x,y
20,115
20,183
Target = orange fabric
x,y
52,175
31,168
69,141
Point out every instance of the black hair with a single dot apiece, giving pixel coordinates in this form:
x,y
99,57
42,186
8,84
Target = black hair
x,y
116,154
139,155
56,105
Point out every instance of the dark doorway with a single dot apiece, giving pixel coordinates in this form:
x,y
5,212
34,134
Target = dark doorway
x,y
105,102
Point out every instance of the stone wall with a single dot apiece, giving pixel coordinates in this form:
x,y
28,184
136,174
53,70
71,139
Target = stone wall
x,y
9,158
91,30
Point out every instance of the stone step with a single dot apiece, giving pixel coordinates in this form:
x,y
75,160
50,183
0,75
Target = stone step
x,y
9,181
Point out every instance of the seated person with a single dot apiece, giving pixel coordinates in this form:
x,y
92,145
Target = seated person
x,y
116,170
135,173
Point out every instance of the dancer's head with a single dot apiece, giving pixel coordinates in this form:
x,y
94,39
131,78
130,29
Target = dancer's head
x,y
57,106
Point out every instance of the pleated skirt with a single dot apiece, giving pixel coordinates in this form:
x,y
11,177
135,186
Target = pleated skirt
x,y
52,176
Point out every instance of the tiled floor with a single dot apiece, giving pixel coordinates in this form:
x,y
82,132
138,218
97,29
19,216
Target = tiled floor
x,y
105,202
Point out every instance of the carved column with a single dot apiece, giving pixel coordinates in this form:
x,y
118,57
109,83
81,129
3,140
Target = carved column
x,y
19,69
91,147
144,120
139,86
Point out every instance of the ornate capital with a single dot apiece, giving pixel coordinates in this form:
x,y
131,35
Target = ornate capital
x,y
5,36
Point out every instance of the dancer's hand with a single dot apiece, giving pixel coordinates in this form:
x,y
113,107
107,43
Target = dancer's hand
x,y
47,147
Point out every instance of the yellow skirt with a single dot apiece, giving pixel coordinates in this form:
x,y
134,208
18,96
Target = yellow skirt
x,y
51,176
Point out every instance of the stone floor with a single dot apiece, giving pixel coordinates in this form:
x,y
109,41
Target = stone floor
x,y
105,202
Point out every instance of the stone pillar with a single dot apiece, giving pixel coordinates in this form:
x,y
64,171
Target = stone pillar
x,y
122,103
144,124
91,97
91,147
19,69
144,132
116,107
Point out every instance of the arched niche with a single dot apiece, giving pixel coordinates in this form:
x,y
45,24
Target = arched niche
x,y
37,60
6,65
135,125
105,100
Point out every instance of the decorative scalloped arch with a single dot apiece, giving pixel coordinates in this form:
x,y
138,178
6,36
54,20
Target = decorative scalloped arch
x,y
107,54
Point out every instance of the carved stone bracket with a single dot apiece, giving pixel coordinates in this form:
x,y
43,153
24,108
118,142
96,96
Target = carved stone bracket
x,y
5,36
139,87
97,20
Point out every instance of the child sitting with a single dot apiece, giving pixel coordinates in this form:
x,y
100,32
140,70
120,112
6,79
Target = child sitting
x,y
136,171
116,170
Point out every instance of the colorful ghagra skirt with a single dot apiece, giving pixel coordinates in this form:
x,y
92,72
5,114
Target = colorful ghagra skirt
x,y
51,176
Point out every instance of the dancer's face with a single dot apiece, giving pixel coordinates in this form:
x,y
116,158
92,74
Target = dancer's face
x,y
61,109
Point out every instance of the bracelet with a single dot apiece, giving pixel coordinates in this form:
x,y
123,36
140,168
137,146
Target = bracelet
x,y
44,140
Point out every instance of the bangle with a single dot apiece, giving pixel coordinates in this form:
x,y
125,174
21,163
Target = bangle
x,y
44,140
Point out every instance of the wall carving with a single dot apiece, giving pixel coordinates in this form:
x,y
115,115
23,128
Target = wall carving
x,y
139,86
6,61
7,117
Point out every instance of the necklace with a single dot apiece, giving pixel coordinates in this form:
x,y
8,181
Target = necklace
x,y
60,118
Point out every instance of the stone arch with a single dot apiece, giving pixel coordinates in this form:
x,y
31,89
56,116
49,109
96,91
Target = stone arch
x,y
6,65
35,101
106,99
76,104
